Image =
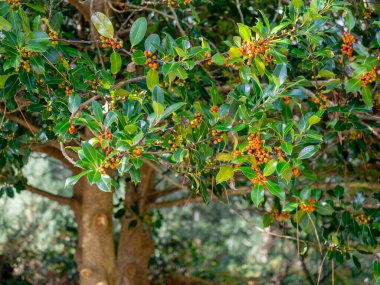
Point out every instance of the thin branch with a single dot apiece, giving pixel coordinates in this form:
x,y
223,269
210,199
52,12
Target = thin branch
x,y
68,158
177,22
166,177
239,10
321,268
189,199
54,197
316,233
84,104
149,9
77,41
153,196
371,129
50,9
125,82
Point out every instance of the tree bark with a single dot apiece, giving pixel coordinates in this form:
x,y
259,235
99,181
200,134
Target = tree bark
x,y
136,244
95,254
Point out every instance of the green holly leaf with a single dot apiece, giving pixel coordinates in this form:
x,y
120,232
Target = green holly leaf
x,y
102,24
115,62
225,173
308,152
257,194
138,31
275,189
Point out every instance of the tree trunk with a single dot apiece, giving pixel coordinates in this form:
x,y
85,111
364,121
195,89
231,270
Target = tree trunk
x,y
136,244
95,254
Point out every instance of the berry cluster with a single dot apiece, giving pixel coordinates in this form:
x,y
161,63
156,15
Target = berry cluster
x,y
286,100
101,170
308,206
173,145
197,120
254,148
321,100
151,59
355,135
24,62
108,135
72,129
260,179
235,65
95,84
172,3
348,41
254,143
137,151
217,135
214,109
253,48
279,215
68,90
112,163
279,153
14,3
368,77
296,172
238,152
363,219
108,42
53,35
208,58
262,156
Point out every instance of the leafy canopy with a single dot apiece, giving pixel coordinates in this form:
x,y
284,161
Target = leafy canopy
x,y
270,109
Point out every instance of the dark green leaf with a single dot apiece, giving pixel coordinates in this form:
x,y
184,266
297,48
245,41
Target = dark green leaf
x,y
275,189
138,31
257,194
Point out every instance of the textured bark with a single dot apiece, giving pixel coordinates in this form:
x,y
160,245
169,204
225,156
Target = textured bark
x,y
95,254
136,243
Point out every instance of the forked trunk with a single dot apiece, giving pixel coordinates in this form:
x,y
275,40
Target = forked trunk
x,y
95,255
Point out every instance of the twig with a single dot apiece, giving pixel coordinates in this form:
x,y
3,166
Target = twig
x,y
125,82
150,9
297,234
371,129
2,119
84,104
239,10
26,121
316,233
177,22
166,177
76,41
321,267
50,9
64,153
